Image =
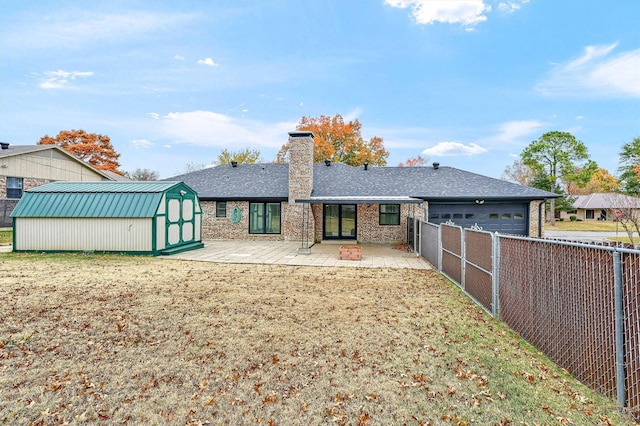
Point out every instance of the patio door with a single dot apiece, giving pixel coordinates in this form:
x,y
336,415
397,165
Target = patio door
x,y
339,222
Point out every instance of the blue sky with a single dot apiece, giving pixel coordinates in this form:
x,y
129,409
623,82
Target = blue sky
x,y
468,84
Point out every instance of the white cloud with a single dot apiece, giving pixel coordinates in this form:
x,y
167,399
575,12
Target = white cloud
x,y
579,117
61,79
352,115
141,143
511,6
512,131
597,72
179,58
74,28
450,149
154,115
208,62
210,129
466,12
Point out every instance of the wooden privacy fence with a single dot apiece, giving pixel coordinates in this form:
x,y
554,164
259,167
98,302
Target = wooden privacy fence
x,y
577,303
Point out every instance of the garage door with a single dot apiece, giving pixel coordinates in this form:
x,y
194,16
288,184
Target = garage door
x,y
511,218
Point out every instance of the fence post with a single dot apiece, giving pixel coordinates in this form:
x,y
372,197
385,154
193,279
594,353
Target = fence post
x,y
619,318
495,274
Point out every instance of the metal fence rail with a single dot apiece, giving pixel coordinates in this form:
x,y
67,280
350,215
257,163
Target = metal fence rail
x,y
577,303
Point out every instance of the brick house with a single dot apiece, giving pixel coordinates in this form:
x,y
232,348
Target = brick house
x,y
326,201
602,206
23,167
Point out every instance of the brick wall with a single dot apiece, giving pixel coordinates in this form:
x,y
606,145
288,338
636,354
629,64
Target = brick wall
x,y
222,228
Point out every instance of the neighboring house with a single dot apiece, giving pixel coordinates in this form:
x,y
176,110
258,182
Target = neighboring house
x,y
23,167
602,206
326,201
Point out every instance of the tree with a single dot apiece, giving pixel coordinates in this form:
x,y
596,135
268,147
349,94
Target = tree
x,y
191,167
418,161
519,173
143,174
558,155
242,156
338,141
630,167
90,147
626,212
601,181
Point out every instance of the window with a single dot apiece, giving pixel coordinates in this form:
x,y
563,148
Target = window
x,y
590,214
221,209
14,187
389,214
264,218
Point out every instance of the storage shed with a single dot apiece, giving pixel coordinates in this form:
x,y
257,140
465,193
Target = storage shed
x,y
127,217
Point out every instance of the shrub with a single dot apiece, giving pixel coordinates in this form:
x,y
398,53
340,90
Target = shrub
x,y
573,218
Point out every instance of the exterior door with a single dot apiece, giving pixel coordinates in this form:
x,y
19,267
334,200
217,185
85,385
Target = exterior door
x,y
340,222
180,219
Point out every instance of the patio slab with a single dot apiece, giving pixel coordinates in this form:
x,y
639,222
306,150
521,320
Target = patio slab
x,y
287,253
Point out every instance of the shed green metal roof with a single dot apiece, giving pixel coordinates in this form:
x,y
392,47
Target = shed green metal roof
x,y
95,199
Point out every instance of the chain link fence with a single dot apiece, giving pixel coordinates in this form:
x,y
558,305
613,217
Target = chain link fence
x,y
577,303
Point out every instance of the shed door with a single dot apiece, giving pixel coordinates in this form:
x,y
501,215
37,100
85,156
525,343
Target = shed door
x,y
510,218
180,219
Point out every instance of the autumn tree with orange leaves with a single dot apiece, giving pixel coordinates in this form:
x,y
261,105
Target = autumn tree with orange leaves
x,y
89,147
340,142
418,161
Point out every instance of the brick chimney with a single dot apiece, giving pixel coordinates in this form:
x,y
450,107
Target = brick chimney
x,y
300,185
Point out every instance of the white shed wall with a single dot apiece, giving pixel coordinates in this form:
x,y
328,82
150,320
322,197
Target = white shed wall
x,y
73,234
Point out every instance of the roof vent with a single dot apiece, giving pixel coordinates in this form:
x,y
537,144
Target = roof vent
x,y
327,163
366,165
234,164
5,145
436,166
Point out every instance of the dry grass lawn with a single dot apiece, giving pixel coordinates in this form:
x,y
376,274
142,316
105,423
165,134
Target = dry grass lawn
x,y
88,339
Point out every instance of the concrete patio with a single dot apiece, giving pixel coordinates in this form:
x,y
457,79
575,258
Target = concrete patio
x,y
288,253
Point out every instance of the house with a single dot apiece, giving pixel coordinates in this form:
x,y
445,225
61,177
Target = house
x,y
602,206
326,201
127,217
26,166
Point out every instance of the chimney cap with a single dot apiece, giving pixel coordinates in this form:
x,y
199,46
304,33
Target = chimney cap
x,y
5,145
366,165
436,165
301,134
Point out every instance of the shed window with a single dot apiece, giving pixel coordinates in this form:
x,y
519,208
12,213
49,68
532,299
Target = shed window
x,y
389,214
264,218
221,209
14,187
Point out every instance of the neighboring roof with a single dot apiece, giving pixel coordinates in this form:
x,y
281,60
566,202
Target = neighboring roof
x,y
15,150
605,201
270,181
94,199
115,176
266,181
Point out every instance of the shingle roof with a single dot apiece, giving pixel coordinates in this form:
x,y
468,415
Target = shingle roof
x,y
93,199
605,201
270,181
444,183
244,182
